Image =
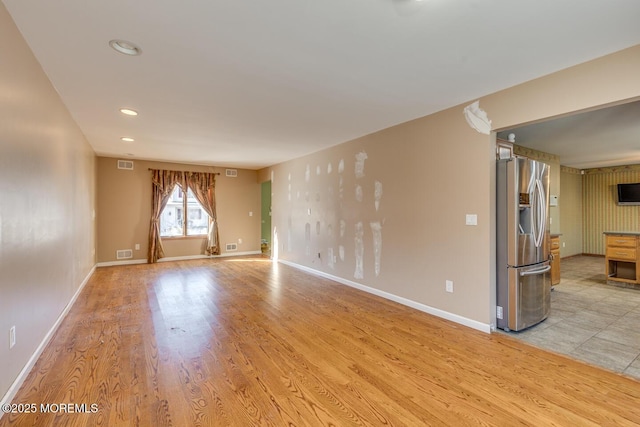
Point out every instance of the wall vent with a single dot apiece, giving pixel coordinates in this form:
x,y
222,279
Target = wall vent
x,y
124,254
232,247
232,173
125,164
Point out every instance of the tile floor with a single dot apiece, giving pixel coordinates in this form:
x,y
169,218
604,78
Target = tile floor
x,y
591,320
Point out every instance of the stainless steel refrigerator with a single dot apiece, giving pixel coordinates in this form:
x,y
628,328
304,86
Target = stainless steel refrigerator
x,y
523,264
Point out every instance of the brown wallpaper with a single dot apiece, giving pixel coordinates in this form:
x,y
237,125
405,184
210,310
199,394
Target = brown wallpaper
x,y
601,213
571,211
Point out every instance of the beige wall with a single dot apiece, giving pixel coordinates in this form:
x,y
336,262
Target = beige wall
x,y
601,213
571,215
47,183
427,188
605,81
433,171
124,210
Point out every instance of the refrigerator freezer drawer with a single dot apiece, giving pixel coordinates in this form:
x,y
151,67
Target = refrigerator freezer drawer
x,y
529,295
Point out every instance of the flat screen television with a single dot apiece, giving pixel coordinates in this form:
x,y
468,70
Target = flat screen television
x,y
629,194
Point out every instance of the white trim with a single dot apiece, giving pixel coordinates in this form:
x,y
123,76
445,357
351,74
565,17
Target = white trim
x,y
128,262
176,258
11,393
182,258
234,253
225,254
483,327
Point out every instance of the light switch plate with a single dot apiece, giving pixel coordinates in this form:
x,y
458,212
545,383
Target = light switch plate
x,y
472,219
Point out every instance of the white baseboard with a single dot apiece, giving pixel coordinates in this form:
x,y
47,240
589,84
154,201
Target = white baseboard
x,y
11,393
227,254
223,255
483,327
176,258
126,262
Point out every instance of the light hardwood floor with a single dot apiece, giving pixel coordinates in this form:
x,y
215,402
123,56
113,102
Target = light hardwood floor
x,y
244,342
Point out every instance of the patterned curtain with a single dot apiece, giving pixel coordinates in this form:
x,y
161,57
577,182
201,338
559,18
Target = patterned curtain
x,y
163,183
203,185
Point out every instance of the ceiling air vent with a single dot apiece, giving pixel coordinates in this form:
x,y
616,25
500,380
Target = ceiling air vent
x,y
125,164
232,173
232,247
124,254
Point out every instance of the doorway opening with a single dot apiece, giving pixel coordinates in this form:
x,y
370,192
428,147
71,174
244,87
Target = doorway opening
x,y
265,229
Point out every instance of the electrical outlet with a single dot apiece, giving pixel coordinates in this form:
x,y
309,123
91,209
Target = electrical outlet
x,y
499,312
449,286
137,246
239,241
12,337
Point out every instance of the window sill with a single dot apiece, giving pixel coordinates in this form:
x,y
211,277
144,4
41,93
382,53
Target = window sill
x,y
201,237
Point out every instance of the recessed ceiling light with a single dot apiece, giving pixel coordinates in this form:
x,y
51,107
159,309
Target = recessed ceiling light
x,y
127,139
128,112
125,47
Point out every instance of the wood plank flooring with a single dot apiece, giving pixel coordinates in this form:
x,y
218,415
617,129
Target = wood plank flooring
x,y
245,342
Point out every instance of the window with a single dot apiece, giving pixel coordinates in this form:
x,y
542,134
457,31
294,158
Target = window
x,y
183,216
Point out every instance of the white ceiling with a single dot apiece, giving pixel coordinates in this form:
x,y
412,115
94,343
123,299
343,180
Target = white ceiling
x,y
601,138
253,83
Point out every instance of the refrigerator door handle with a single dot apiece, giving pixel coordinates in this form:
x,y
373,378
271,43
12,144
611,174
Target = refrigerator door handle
x,y
541,214
534,272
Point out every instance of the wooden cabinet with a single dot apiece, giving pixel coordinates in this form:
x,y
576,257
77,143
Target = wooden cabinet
x,y
555,260
622,257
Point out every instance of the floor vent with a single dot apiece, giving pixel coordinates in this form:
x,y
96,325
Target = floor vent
x,y
125,164
124,254
232,173
232,247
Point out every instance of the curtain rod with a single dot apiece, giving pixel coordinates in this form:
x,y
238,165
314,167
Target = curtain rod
x,y
152,169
